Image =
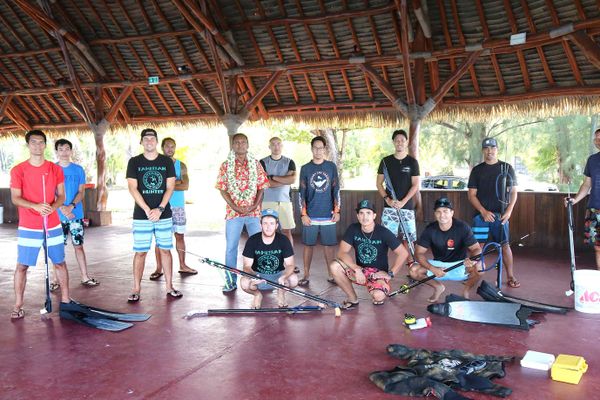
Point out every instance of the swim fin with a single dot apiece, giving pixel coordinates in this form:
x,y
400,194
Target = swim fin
x,y
117,316
491,293
74,313
238,311
495,313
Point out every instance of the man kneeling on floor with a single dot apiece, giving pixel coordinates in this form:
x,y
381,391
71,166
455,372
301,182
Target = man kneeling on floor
x,y
268,254
371,243
449,240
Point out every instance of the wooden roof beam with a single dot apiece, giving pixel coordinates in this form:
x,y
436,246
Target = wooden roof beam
x,y
461,38
486,36
253,102
410,90
50,25
4,105
15,114
112,113
448,38
420,10
588,46
514,28
568,51
439,94
385,88
206,96
230,48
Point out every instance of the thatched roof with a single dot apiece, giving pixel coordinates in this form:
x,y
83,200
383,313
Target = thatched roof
x,y
309,59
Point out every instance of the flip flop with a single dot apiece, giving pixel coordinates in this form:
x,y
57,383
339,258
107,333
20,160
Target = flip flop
x,y
378,303
176,294
347,304
133,298
90,282
155,276
54,286
17,314
303,282
192,272
513,283
332,281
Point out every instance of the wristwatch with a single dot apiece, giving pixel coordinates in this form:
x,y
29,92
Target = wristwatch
x,y
391,274
161,209
73,204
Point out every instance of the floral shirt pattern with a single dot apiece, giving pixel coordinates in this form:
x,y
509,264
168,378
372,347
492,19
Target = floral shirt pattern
x,y
243,194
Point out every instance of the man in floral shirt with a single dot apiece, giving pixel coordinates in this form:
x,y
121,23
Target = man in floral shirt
x,y
241,182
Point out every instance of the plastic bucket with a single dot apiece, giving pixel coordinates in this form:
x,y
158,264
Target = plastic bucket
x,y
587,291
1,214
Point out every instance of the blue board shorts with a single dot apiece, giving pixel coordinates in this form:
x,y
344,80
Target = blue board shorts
x,y
29,242
143,230
457,274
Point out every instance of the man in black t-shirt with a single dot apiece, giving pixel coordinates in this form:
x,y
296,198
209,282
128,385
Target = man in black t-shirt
x,y
268,254
370,267
494,207
151,180
400,174
449,240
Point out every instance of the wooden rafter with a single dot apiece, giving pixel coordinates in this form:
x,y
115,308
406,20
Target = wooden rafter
x,y
4,105
422,17
589,48
448,39
112,113
565,44
514,29
461,39
385,88
410,91
261,93
540,50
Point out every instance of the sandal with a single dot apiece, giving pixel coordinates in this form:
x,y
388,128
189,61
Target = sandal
x,y
17,314
347,304
513,283
332,281
133,298
176,294
303,282
90,282
155,276
378,302
54,286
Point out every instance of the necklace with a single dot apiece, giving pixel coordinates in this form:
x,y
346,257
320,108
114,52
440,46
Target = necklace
x,y
369,237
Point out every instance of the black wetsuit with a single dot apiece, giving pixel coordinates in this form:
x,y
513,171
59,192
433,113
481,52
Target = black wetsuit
x,y
437,373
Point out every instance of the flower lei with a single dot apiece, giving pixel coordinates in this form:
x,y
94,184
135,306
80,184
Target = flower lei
x,y
233,184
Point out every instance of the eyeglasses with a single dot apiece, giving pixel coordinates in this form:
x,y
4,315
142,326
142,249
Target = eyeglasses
x,y
318,148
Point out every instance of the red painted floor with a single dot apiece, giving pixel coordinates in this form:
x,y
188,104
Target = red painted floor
x,y
260,357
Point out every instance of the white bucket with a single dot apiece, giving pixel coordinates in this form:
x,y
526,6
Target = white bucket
x,y
1,214
587,291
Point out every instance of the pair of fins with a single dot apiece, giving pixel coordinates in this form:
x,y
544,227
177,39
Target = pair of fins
x,y
244,311
99,318
491,293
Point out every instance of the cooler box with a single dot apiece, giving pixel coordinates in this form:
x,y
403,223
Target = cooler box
x,y
568,368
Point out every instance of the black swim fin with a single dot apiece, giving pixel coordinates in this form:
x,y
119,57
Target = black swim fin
x,y
117,316
75,313
491,293
495,313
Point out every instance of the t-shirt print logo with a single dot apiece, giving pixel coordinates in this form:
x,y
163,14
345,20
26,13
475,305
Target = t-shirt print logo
x,y
152,180
450,244
406,169
268,263
319,181
367,253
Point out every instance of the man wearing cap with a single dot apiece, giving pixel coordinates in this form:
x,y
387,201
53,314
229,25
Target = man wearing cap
x,y
494,207
590,186
177,203
370,266
449,239
151,180
268,254
400,173
241,182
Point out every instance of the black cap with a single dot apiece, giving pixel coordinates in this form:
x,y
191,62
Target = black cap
x,y
149,132
443,202
365,204
489,142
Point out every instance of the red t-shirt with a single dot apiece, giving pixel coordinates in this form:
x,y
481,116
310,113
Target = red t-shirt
x,y
28,178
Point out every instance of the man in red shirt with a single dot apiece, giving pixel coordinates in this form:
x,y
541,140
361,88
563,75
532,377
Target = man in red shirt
x,y
37,189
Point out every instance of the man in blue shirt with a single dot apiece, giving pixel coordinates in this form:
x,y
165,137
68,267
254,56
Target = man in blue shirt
x,y
71,212
319,198
591,185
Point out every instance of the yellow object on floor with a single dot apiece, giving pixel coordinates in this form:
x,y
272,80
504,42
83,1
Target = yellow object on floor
x,y
568,368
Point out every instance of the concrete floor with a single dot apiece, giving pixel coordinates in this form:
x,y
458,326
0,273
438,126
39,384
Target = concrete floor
x,y
260,357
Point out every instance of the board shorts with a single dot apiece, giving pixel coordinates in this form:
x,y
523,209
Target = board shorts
x,y
143,230
311,232
390,218
272,277
29,242
285,211
458,274
179,219
490,231
371,283
591,230
73,227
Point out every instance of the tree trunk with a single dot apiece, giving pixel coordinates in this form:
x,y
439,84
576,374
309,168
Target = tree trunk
x,y
102,192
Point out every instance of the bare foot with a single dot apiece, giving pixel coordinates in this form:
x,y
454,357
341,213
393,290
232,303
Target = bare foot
x,y
466,294
437,292
257,300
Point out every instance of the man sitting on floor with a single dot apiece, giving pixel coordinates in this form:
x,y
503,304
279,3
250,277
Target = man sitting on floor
x,y
268,254
449,240
370,242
